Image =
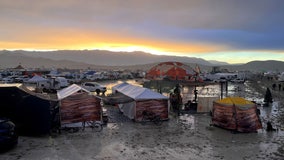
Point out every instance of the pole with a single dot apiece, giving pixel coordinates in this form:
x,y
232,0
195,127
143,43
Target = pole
x,y
226,83
221,83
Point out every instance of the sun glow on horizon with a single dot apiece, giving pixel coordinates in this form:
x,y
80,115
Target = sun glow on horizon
x,y
126,43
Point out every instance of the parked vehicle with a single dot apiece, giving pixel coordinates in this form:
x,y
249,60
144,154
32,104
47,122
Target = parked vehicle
x,y
94,87
8,136
281,77
63,82
238,80
7,80
22,79
221,79
53,84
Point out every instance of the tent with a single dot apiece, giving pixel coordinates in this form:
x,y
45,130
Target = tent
x,y
30,112
120,85
39,82
170,70
36,79
236,113
78,105
142,99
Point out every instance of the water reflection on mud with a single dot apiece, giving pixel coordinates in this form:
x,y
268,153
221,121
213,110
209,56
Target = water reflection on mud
x,y
189,120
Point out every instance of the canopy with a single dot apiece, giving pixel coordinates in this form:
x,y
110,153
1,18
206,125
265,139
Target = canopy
x,y
133,100
171,70
138,93
74,88
120,85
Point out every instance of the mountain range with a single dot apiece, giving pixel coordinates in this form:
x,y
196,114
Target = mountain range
x,y
100,59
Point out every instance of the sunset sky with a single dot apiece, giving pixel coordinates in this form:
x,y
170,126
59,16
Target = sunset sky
x,y
235,31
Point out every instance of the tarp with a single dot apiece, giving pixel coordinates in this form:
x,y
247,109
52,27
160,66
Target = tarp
x,y
138,93
74,88
128,109
117,98
29,111
205,104
236,113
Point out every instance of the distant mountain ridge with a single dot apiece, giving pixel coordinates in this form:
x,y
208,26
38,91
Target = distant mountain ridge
x,y
218,63
118,60
261,66
108,58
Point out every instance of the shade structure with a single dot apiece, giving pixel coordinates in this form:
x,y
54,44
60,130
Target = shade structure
x,y
78,105
170,70
236,113
65,92
141,99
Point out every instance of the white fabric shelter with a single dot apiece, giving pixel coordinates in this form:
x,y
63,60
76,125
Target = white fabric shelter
x,y
138,93
120,85
65,92
36,79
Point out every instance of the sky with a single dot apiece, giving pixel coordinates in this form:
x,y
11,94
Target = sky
x,y
233,31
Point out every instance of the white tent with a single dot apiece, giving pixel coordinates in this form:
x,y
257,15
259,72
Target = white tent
x,y
138,93
78,105
36,79
118,86
144,99
69,91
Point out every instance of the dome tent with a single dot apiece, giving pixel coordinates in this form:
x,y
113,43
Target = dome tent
x,y
236,113
170,70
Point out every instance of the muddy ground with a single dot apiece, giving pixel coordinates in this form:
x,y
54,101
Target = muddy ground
x,y
185,137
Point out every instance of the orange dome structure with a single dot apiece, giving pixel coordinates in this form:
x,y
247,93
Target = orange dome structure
x,y
170,70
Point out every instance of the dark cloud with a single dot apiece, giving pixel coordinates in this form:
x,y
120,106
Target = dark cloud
x,y
243,24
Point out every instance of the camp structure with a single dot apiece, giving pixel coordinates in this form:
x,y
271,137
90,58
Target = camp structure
x,y
37,79
78,105
138,99
31,112
236,113
171,71
205,104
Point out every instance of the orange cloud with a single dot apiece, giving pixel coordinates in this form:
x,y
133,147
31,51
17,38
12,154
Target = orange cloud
x,y
57,39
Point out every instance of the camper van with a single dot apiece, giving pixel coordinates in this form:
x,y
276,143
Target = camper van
x,y
281,77
53,84
62,82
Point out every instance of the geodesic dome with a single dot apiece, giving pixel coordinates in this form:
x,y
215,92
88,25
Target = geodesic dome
x,y
170,70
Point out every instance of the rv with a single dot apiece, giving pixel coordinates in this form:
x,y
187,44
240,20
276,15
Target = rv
x,y
53,84
281,77
220,77
62,82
